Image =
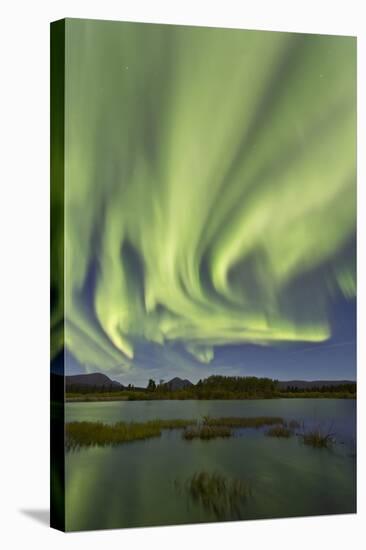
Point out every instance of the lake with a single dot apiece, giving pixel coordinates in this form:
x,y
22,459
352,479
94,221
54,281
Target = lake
x,y
144,483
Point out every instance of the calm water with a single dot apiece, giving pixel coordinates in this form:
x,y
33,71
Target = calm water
x,y
144,482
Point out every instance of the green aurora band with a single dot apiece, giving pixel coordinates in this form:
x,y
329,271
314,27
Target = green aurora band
x,y
210,188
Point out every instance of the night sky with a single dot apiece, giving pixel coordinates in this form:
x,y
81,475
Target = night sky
x,y
210,203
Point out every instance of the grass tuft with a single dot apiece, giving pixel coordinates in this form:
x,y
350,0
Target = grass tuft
x,y
318,439
206,432
222,496
244,422
279,431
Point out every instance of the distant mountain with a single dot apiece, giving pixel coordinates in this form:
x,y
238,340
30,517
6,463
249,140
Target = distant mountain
x,y
178,384
307,384
96,379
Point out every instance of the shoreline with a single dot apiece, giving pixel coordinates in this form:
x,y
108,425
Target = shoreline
x,y
305,395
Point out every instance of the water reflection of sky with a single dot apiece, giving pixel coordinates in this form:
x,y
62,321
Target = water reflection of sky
x,y
135,484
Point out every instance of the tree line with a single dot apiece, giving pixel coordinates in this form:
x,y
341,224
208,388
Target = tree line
x,y
216,387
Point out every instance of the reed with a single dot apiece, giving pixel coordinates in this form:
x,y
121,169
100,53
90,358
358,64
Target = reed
x,y
206,432
244,422
279,431
224,497
318,439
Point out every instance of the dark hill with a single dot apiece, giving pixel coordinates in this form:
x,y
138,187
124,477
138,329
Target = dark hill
x,y
96,379
176,384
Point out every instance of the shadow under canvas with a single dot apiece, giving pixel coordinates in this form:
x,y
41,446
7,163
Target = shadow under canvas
x,y
40,515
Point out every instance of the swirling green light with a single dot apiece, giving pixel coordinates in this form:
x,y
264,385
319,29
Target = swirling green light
x,y
210,187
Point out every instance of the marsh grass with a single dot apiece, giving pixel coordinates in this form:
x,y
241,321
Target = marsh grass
x,y
206,432
318,437
279,431
244,422
224,497
87,434
174,424
315,438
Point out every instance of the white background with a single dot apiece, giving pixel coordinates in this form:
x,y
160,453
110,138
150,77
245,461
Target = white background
x,y
24,270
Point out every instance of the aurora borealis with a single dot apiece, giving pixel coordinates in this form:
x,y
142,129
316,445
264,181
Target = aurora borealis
x,y
210,195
